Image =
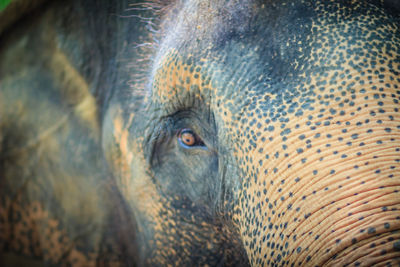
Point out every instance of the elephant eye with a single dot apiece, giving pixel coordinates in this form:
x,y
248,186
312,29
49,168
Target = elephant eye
x,y
187,138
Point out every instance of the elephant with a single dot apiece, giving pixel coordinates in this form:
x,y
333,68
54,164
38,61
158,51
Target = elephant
x,y
206,133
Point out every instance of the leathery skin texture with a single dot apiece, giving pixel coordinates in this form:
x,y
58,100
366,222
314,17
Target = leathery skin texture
x,y
291,155
305,110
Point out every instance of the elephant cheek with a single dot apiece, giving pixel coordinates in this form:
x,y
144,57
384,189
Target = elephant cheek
x,y
332,199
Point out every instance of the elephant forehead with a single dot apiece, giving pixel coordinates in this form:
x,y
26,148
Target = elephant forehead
x,y
289,59
350,58
349,69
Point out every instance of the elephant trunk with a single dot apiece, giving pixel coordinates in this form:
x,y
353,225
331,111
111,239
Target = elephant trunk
x,y
326,195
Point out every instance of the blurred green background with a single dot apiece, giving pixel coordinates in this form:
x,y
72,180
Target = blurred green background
x,y
4,3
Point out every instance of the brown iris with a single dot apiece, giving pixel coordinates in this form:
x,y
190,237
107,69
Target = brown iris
x,y
187,137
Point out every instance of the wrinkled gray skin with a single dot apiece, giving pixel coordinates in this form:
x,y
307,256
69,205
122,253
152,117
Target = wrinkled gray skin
x,y
262,133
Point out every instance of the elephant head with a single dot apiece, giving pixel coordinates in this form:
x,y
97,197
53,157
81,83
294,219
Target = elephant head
x,y
264,134
253,132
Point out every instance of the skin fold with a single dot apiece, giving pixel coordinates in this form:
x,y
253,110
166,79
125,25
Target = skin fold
x,y
210,133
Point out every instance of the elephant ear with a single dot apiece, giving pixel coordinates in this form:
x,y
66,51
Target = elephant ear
x,y
57,70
